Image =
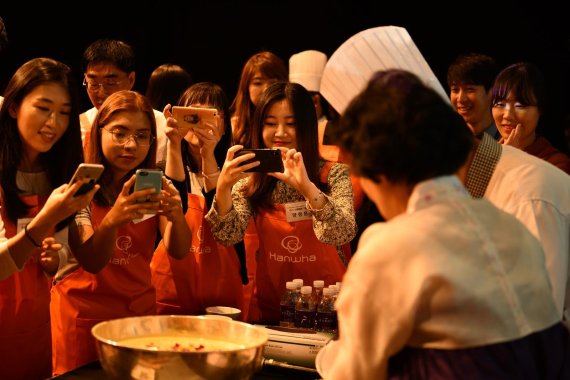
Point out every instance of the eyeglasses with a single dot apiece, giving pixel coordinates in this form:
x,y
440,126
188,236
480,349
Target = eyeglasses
x,y
142,139
108,84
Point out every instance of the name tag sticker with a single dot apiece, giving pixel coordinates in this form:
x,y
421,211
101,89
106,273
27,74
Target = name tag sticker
x,y
297,211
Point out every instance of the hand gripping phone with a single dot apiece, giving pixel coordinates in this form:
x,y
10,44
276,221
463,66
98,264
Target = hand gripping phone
x,y
270,160
88,174
148,179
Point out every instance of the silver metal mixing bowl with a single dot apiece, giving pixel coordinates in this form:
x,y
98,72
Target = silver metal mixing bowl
x,y
122,362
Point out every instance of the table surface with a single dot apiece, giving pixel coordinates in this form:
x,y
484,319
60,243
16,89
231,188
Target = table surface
x,y
93,371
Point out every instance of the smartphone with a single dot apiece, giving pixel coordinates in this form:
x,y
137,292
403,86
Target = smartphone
x,y
148,179
88,174
195,116
270,160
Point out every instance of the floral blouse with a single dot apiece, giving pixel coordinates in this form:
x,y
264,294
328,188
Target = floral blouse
x,y
333,224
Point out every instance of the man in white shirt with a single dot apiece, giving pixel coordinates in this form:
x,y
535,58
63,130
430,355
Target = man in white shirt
x,y
534,191
109,66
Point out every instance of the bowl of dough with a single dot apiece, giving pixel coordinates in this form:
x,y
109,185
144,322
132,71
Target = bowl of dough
x,y
163,347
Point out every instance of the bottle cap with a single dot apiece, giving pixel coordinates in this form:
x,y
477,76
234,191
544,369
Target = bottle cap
x,y
290,285
327,291
306,289
319,284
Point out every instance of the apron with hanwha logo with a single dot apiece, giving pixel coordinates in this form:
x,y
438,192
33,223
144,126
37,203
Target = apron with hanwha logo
x,y
208,276
287,251
25,339
121,289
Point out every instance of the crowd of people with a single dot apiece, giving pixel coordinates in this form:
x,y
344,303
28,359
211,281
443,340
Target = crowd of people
x,y
447,220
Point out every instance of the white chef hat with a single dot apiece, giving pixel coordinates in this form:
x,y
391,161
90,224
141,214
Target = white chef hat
x,y
351,66
306,68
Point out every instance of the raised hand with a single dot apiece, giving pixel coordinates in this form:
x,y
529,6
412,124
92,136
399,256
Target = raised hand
x,y
127,208
62,202
170,202
515,137
174,131
233,170
295,173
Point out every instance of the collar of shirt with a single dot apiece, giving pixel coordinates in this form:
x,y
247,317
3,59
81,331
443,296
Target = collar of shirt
x,y
436,190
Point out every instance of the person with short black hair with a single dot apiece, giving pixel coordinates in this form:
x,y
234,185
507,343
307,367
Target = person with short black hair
x,y
109,66
165,85
470,79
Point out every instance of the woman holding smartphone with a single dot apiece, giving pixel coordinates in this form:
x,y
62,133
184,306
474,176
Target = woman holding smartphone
x,y
113,239
41,148
303,216
210,274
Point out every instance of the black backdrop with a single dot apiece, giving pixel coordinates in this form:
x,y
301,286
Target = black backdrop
x,y
213,39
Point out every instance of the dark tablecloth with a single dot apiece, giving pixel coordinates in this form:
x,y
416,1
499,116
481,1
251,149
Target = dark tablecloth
x,y
93,371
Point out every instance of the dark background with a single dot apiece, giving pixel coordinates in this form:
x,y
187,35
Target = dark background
x,y
213,39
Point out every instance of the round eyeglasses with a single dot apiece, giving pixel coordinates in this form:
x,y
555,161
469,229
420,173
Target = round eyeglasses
x,y
142,139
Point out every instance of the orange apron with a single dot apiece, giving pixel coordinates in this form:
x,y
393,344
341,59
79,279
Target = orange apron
x,y
288,251
208,276
121,289
25,339
251,243
327,152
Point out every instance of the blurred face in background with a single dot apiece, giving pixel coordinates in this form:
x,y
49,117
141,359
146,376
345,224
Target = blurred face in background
x,y
257,85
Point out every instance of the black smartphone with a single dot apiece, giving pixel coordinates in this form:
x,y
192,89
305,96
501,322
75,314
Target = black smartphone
x,y
88,174
270,160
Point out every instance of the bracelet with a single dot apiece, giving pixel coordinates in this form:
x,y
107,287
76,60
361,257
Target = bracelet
x,y
308,204
30,238
211,175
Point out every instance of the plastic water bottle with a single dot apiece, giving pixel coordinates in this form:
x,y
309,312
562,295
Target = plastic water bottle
x,y
288,303
299,282
334,295
305,309
324,318
318,286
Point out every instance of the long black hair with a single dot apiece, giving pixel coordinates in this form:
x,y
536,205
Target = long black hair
x,y
65,155
261,185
